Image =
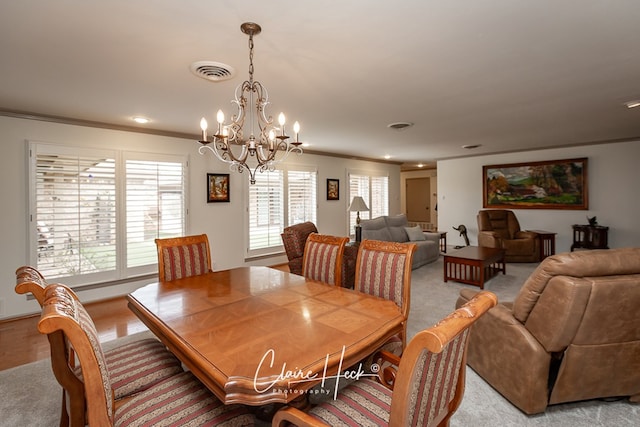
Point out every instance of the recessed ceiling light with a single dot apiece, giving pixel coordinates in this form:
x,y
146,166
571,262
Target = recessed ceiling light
x,y
471,146
420,165
387,156
633,104
141,120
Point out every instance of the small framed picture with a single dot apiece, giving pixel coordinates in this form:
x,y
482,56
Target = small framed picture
x,y
217,187
333,189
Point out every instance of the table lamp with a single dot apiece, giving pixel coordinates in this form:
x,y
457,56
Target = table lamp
x,y
357,205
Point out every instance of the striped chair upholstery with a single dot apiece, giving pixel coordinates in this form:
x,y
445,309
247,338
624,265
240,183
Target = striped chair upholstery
x,y
132,367
363,403
181,257
322,260
179,400
136,366
428,385
383,269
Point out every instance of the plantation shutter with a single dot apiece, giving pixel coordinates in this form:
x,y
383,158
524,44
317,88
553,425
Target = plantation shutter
x,y
73,210
301,199
155,206
374,190
266,210
379,196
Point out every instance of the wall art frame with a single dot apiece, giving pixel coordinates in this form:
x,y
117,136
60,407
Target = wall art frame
x,y
218,188
333,189
551,184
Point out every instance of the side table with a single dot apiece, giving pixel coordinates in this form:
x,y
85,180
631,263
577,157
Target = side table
x,y
590,237
547,243
443,241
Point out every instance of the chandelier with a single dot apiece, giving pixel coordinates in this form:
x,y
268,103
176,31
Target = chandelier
x,y
257,152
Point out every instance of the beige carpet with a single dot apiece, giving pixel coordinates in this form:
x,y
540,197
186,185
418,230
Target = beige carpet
x,y
31,395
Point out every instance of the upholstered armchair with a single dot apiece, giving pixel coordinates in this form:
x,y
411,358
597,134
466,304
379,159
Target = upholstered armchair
x,y
571,334
294,239
499,228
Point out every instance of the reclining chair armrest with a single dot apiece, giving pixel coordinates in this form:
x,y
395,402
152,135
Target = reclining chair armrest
x,y
526,235
489,239
505,354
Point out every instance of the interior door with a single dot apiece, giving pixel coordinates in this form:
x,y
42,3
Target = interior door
x,y
418,200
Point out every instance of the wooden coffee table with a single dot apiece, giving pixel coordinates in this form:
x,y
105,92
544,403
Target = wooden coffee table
x,y
474,265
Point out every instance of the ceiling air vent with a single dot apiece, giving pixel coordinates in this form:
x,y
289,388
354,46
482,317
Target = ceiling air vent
x,y
399,125
212,71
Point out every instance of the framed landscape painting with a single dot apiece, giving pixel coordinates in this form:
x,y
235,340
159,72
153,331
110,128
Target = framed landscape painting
x,y
553,184
217,187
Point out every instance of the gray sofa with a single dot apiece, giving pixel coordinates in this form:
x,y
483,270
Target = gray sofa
x,y
396,229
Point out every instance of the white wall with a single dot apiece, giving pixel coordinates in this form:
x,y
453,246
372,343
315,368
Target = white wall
x,y
224,223
613,179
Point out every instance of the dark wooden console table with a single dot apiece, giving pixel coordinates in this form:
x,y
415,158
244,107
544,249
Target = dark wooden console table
x,y
590,237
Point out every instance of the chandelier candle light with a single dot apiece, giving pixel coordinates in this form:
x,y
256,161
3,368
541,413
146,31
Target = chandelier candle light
x,y
270,140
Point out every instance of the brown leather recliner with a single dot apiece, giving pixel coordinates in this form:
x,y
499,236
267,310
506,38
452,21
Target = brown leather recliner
x,y
572,333
499,228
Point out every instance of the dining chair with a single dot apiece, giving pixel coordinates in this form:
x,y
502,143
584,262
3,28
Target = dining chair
x,y
180,257
383,269
322,259
132,367
177,400
424,387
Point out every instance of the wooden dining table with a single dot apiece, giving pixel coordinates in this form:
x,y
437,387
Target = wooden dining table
x,y
258,335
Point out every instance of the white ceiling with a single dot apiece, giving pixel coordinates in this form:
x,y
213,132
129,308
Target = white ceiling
x,y
508,75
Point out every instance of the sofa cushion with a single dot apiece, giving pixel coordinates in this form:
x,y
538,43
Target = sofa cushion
x,y
396,225
415,234
376,229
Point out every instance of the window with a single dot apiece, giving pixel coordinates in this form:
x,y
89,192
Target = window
x,y
279,198
78,230
375,192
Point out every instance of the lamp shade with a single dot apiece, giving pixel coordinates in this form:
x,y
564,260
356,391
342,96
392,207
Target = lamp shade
x,y
358,205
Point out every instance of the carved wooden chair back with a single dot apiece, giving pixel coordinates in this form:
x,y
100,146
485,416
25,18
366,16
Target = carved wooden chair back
x,y
180,257
322,259
433,367
133,367
63,314
30,280
383,269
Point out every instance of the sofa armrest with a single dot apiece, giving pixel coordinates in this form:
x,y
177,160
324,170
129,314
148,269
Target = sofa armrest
x,y
434,237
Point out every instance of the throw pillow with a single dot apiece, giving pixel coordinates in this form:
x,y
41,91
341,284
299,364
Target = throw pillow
x,y
415,233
